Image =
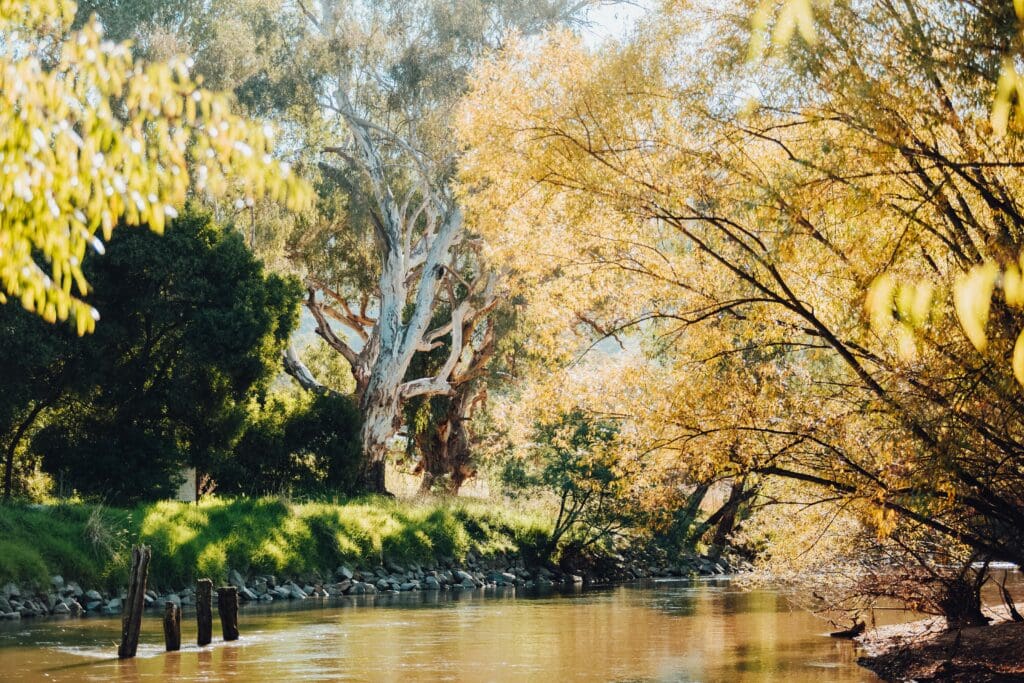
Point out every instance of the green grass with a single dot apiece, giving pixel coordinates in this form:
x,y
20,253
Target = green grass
x,y
89,544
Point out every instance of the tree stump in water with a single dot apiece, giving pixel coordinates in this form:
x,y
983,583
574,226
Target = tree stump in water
x,y
131,620
172,627
227,609
204,611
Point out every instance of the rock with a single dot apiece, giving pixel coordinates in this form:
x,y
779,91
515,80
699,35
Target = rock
x,y
246,594
11,591
463,576
11,615
431,584
93,595
266,597
173,597
343,586
468,583
296,592
282,592
383,584
75,589
260,587
57,581
148,599
188,600
61,608
235,579
344,572
115,603
93,605
409,586
358,589
5,606
395,568
308,590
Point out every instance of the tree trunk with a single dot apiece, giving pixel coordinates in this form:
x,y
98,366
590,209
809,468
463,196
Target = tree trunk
x,y
727,521
382,418
445,448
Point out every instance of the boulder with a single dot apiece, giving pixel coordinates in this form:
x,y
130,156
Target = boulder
x,y
246,594
57,581
409,586
431,584
235,579
93,595
296,592
358,589
75,589
173,597
344,572
93,605
343,586
115,603
260,587
5,606
266,597
11,591
308,590
61,608
282,592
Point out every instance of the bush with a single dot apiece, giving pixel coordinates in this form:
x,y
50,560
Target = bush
x,y
302,445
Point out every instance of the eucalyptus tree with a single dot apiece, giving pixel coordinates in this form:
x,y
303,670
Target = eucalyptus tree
x,y
365,93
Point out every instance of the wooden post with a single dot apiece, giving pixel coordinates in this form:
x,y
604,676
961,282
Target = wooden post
x,y
204,610
131,620
172,627
227,609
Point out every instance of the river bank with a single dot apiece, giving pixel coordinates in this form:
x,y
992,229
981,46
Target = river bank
x,y
924,650
70,559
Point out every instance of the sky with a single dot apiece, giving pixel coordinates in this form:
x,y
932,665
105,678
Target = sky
x,y
614,21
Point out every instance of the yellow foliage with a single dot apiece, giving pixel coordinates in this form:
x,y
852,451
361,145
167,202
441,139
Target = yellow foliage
x,y
89,138
972,298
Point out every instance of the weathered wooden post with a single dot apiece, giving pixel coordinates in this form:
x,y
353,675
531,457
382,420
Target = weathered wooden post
x,y
172,627
204,610
227,609
131,620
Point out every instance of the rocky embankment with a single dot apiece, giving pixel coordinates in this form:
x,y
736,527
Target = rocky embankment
x,y
70,599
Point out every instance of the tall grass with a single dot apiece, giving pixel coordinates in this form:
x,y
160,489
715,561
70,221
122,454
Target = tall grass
x,y
263,535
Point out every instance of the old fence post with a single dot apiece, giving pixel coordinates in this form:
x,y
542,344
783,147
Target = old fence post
x,y
204,610
227,609
131,620
172,627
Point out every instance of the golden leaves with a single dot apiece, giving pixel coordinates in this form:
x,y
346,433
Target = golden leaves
x,y
795,16
900,309
972,297
70,167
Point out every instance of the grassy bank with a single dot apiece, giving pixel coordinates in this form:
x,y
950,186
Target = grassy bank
x,y
88,543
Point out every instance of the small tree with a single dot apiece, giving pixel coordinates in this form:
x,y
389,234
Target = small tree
x,y
574,457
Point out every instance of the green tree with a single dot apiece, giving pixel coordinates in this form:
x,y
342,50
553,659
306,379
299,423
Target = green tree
x,y
90,138
193,328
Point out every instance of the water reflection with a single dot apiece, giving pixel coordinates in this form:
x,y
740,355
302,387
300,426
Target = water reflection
x,y
664,632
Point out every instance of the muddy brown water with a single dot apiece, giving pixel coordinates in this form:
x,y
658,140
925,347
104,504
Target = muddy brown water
x,y
662,631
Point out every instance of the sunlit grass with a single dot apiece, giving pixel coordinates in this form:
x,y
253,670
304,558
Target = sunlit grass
x,y
262,535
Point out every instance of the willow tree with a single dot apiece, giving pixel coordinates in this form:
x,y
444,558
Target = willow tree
x,y
741,236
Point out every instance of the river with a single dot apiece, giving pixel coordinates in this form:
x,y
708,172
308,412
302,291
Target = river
x,y
665,631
